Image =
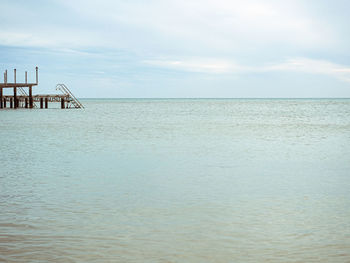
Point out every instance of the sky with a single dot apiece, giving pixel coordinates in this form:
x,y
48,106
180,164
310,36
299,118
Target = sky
x,y
180,48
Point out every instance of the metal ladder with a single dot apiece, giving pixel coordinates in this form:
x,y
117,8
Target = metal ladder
x,y
72,99
24,93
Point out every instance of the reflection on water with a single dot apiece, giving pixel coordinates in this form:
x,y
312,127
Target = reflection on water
x,y
177,181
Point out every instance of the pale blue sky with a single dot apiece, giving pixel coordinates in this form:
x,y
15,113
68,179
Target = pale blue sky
x,y
181,48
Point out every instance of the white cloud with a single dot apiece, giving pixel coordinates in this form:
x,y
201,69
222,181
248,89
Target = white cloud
x,y
302,65
224,25
313,66
196,65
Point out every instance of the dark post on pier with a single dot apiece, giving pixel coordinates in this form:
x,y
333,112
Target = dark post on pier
x,y
22,99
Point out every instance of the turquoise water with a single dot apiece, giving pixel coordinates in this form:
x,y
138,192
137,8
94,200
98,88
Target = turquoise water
x,y
204,180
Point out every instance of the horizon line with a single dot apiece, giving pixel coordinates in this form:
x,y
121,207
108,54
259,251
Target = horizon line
x,y
167,98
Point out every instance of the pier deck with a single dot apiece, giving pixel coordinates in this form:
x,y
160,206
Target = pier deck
x,y
37,98
17,85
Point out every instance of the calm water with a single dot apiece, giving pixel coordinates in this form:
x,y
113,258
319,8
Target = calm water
x,y
177,181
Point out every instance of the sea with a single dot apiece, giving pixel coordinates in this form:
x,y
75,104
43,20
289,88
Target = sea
x,y
176,180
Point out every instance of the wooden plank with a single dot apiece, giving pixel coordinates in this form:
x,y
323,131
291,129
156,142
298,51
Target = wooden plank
x,y
22,85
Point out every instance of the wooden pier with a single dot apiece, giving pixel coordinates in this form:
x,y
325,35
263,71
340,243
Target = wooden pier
x,y
22,99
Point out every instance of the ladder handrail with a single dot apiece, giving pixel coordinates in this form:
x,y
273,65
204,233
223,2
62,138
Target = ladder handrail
x,y
71,94
65,90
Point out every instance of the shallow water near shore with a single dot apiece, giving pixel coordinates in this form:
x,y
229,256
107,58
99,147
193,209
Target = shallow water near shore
x,y
177,180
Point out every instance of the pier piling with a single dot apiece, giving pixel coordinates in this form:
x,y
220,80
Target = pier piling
x,y
1,98
30,97
15,90
1,93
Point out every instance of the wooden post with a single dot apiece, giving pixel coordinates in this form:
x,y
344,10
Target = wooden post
x,y
11,103
46,103
1,98
36,71
26,77
1,94
4,103
41,102
15,91
26,102
30,97
62,103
